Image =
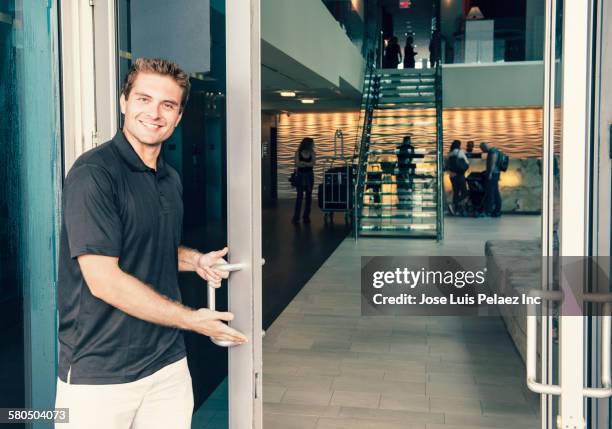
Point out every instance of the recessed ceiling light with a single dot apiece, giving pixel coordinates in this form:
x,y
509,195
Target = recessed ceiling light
x,y
287,94
307,101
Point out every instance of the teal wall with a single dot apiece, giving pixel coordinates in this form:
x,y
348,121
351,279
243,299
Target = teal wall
x,y
31,142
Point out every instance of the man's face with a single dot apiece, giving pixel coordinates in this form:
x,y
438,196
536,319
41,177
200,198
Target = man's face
x,y
152,109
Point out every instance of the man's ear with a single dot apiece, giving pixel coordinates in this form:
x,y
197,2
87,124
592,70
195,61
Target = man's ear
x,y
122,103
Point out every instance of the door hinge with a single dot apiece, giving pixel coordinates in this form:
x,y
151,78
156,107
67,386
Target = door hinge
x,y
256,385
94,138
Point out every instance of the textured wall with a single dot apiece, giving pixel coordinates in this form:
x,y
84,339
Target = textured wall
x,y
321,127
518,132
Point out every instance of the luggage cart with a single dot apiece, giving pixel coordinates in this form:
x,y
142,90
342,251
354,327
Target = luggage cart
x,y
335,193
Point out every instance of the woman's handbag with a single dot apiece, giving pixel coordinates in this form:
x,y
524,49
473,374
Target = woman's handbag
x,y
293,179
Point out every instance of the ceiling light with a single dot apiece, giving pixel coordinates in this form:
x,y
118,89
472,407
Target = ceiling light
x,y
287,94
307,100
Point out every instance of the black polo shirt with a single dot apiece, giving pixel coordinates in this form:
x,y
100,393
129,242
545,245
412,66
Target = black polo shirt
x,y
114,205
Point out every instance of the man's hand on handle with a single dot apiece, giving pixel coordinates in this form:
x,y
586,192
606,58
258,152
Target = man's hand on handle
x,y
210,323
205,263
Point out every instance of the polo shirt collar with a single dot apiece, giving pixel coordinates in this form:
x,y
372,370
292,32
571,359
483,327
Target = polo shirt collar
x,y
134,161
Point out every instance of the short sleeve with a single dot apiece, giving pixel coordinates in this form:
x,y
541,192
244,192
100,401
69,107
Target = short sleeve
x,y
91,215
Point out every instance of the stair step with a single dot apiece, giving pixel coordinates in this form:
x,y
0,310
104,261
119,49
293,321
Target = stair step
x,y
399,86
386,93
406,124
415,215
425,99
420,161
395,182
395,135
402,205
405,89
399,227
407,194
395,82
411,87
400,209
399,231
406,77
402,116
408,72
396,151
397,106
420,174
398,143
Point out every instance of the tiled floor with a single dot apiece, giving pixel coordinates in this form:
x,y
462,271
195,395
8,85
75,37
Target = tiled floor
x,y
326,366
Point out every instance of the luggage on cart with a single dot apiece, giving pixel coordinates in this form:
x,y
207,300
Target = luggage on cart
x,y
337,187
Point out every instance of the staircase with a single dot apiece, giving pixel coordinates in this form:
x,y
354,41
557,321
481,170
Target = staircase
x,y
390,199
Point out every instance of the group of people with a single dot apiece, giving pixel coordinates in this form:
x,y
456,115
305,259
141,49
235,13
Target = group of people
x,y
393,52
458,162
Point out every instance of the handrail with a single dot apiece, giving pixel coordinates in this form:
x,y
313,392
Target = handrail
x,y
439,154
435,30
365,132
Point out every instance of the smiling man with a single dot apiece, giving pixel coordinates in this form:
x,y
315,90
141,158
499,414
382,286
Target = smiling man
x,y
122,355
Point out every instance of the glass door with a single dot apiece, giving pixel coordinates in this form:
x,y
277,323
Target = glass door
x,y
576,371
598,412
216,151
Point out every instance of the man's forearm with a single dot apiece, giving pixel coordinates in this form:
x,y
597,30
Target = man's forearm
x,y
109,283
187,258
130,295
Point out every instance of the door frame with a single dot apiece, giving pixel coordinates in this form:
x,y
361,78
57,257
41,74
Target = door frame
x,y
601,197
575,222
548,204
90,87
243,64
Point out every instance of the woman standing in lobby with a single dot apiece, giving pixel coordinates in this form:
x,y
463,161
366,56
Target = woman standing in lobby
x,y
305,159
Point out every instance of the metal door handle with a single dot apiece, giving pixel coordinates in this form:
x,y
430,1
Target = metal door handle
x,y
212,299
532,347
606,336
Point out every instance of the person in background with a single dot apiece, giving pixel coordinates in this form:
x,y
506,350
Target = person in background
x,y
434,48
393,54
373,184
405,169
457,164
305,159
493,200
469,150
409,53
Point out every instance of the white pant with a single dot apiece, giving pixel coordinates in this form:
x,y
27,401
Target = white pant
x,y
161,400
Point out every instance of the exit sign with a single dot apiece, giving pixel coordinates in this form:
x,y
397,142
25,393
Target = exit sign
x,y
404,4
